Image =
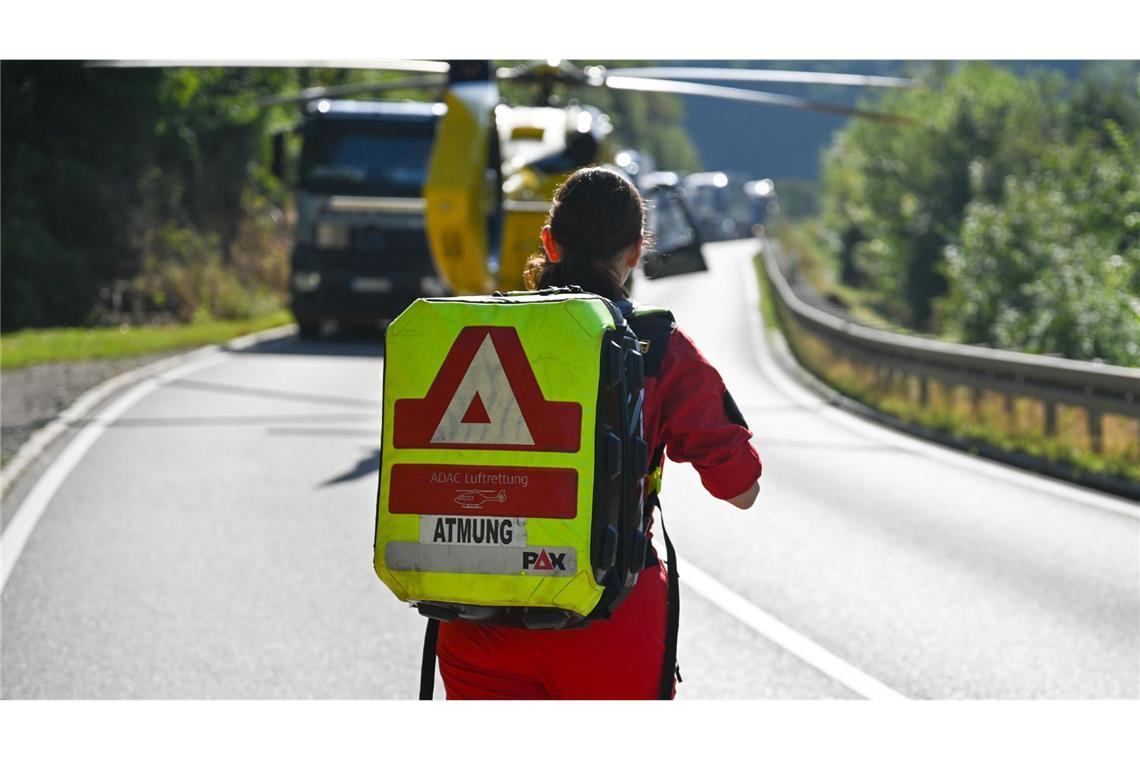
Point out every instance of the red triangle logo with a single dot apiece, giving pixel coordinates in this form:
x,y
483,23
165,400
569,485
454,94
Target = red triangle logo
x,y
490,360
476,412
543,562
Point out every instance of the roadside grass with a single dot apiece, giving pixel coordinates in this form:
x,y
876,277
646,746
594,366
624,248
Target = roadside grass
x,y
30,347
1014,423
767,297
805,238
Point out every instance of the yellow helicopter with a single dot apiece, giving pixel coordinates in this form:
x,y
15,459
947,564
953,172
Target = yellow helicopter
x,y
493,167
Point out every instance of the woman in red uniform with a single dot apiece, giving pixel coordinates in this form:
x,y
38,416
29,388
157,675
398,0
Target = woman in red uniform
x,y
594,239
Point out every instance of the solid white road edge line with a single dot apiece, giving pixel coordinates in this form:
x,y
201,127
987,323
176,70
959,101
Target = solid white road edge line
x,y
796,392
28,514
44,437
780,634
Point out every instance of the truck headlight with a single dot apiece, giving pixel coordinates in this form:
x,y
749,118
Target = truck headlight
x,y
332,235
306,282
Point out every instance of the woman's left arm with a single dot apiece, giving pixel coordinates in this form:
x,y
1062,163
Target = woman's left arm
x,y
701,424
746,499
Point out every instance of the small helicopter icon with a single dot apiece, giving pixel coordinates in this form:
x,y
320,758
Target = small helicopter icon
x,y
475,498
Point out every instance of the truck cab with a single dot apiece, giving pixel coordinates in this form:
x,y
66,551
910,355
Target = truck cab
x,y
360,253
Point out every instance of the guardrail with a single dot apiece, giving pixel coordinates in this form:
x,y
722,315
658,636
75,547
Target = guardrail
x,y
1098,389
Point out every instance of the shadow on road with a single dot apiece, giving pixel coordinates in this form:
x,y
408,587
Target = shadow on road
x,y
784,443
328,432
363,344
369,465
232,421
263,393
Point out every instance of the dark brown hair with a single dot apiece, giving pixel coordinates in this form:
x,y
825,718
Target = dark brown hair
x,y
596,214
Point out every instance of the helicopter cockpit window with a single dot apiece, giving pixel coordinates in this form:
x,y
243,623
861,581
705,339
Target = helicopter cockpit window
x,y
351,159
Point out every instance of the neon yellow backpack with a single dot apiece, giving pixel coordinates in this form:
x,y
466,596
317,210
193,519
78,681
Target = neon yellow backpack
x,y
512,484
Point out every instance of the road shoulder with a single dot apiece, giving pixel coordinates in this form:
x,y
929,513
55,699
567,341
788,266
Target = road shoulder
x,y
45,405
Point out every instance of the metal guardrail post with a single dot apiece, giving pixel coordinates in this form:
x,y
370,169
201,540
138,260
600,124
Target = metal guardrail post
x,y
1050,418
1096,433
976,400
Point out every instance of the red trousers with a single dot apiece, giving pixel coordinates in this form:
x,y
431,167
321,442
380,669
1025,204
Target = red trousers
x,y
619,658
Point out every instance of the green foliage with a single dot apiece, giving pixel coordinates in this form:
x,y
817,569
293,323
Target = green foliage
x,y
102,166
1055,268
767,295
1002,216
799,198
183,275
898,193
75,140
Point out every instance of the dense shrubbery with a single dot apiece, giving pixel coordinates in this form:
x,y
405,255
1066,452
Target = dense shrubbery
x,y
1009,214
1055,267
131,194
75,142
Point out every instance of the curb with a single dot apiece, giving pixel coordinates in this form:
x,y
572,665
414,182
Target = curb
x,y
73,416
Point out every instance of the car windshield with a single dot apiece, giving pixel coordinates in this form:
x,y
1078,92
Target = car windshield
x,y
671,230
366,159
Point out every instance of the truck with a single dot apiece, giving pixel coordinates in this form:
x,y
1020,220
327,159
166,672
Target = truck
x,y
360,254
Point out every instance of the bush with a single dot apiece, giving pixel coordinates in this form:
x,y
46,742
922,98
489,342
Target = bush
x,y
1055,268
107,172
1007,214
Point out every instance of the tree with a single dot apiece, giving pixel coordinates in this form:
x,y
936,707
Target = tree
x,y
1055,268
901,191
75,140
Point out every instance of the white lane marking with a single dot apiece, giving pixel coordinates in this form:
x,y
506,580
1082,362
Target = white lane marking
x,y
780,634
28,514
44,437
793,390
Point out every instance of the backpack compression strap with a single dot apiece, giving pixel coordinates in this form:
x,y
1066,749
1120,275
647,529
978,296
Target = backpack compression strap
x,y
669,666
427,668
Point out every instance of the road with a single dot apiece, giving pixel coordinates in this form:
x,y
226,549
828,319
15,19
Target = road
x,y
214,541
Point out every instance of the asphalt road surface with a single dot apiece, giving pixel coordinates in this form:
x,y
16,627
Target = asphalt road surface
x,y
212,537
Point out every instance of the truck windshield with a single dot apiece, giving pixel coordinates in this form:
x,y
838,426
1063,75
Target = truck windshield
x,y
366,159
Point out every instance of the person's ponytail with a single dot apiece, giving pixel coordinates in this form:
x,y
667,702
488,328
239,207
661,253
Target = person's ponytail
x,y
596,215
593,275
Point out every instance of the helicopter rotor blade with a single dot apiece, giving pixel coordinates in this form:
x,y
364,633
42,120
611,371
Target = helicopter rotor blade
x,y
355,88
764,75
425,67
750,96
552,71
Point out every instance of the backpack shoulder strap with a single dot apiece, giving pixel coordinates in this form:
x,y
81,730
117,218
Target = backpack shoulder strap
x,y
653,326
